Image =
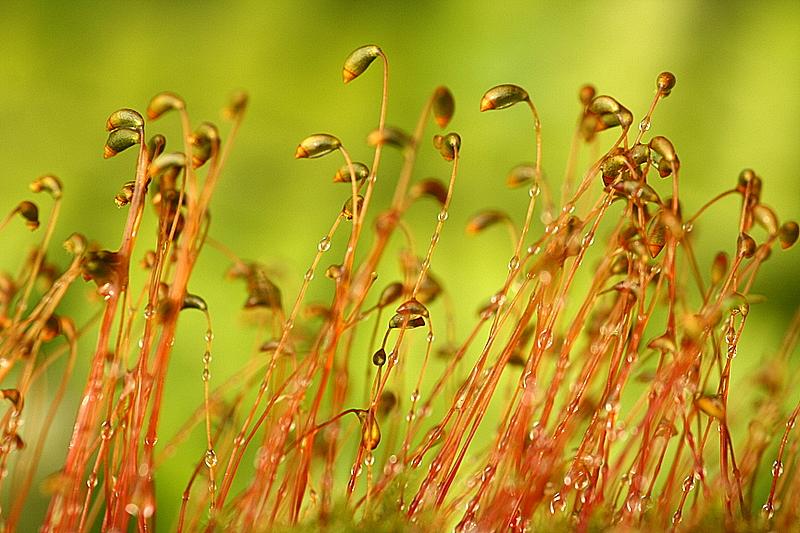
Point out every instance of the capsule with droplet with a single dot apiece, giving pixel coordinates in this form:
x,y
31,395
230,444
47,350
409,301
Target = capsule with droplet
x,y
347,208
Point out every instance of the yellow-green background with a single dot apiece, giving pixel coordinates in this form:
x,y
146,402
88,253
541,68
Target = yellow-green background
x,y
65,66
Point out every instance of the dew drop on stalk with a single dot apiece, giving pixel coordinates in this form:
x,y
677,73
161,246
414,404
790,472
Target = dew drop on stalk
x,y
206,374
149,311
534,190
777,468
91,481
289,324
676,518
768,511
688,227
644,125
688,483
106,430
415,395
513,263
442,216
210,458
209,336
324,244
309,275
369,460
206,358
430,338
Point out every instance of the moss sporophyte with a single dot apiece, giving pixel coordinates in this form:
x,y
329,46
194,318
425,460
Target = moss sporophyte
x,y
592,390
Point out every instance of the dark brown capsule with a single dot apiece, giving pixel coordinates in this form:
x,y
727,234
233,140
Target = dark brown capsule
x,y
444,106
788,233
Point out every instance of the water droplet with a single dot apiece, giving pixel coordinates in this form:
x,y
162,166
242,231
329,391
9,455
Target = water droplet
x,y
206,358
588,239
688,483
513,263
688,227
106,430
369,460
442,216
415,395
289,324
777,468
210,458
140,343
534,190
309,275
324,244
768,510
206,374
149,311
209,336
91,481
644,125
676,518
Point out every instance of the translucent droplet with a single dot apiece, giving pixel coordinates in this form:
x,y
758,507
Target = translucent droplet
x,y
210,458
209,336
206,374
777,468
309,275
442,216
91,481
206,358
688,483
768,511
415,396
534,190
289,324
369,460
106,430
688,227
324,244
149,311
676,518
644,125
513,263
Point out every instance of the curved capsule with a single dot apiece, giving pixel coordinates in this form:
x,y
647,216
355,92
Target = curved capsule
x,y
120,140
358,61
48,183
360,170
317,145
171,160
124,118
162,103
444,106
503,96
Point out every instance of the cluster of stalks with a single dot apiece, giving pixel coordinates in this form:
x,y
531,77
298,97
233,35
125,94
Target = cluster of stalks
x,y
601,363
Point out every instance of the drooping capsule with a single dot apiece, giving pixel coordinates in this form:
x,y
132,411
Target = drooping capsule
x,y
448,145
665,83
431,187
120,140
237,104
48,183
484,219
745,246
503,96
205,143
520,175
358,61
390,294
317,145
193,301
788,233
370,431
165,162
390,136
124,118
347,208
444,106
163,102
711,406
412,307
360,170
30,212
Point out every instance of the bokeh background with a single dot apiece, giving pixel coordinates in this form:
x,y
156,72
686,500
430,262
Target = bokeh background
x,y
66,65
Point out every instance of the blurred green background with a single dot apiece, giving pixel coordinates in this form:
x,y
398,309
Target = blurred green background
x,y
66,66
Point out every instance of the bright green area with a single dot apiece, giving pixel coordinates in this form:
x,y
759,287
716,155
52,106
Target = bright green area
x,y
65,67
